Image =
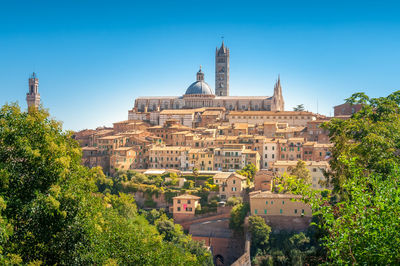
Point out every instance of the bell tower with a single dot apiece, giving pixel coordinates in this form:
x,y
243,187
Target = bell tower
x,y
222,71
33,96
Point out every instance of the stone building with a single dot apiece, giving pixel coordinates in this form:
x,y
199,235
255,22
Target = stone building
x,y
33,96
230,184
184,207
281,211
346,109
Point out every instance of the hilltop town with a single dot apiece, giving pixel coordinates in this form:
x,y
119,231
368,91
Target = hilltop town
x,y
202,152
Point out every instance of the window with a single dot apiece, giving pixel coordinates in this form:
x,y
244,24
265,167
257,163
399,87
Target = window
x,y
302,211
265,211
283,202
234,181
272,202
295,211
188,201
179,201
179,209
255,211
266,202
280,211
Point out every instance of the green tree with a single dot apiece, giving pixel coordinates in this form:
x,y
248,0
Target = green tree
x,y
360,216
301,171
238,214
299,108
196,175
259,231
52,213
249,171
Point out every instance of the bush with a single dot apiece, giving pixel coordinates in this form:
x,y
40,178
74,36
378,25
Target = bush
x,y
233,201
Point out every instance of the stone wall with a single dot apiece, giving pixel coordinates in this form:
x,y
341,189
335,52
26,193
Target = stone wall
x,y
245,259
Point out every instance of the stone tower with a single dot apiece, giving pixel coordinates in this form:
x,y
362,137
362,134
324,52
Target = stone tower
x,y
278,97
222,71
33,96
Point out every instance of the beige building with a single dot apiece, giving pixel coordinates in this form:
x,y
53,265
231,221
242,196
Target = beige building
x,y
281,211
174,157
316,169
230,157
292,118
123,158
291,149
265,203
202,159
269,153
230,184
184,206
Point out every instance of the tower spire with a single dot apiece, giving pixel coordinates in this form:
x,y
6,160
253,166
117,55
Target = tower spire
x,y
33,96
222,70
278,98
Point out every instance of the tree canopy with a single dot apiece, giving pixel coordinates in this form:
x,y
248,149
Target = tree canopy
x,y
359,217
51,210
299,107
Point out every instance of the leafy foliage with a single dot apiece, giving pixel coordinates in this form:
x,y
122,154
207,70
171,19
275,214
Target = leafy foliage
x,y
248,171
360,216
301,171
52,213
259,231
299,108
238,214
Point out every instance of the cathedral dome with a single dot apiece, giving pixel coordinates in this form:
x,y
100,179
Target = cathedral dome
x,y
200,86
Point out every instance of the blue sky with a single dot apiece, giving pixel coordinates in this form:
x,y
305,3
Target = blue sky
x,y
93,58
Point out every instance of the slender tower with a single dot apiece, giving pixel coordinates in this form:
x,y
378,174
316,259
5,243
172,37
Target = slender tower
x,y
33,96
222,71
278,97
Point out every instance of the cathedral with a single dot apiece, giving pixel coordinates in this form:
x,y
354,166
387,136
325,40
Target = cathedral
x,y
199,94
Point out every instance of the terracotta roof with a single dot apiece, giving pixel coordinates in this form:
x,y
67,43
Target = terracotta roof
x,y
237,175
271,113
187,196
110,137
293,163
124,148
211,113
270,195
89,149
223,175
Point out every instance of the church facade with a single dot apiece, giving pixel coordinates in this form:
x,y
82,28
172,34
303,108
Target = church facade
x,y
199,94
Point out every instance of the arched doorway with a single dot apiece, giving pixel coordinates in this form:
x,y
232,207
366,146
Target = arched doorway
x,y
218,260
